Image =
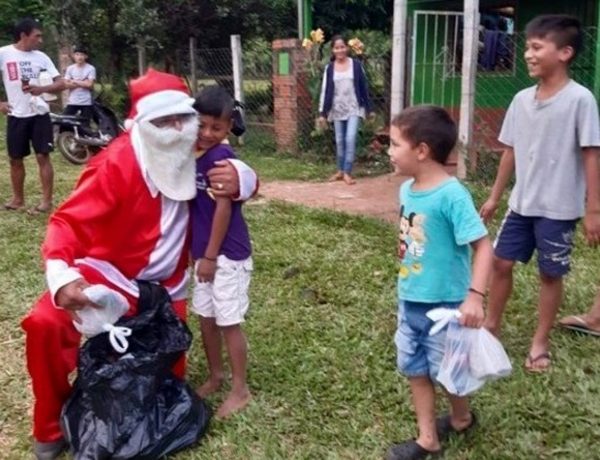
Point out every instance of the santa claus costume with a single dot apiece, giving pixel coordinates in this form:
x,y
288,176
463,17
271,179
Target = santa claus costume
x,y
126,220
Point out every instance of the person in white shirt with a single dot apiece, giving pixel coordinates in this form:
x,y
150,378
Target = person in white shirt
x,y
79,79
28,120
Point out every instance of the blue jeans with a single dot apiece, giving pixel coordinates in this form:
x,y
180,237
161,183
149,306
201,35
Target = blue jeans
x,y
419,354
345,142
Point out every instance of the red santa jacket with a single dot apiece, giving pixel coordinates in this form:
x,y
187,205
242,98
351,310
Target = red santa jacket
x,y
113,223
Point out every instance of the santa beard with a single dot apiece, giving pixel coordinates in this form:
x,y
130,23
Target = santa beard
x,y
167,155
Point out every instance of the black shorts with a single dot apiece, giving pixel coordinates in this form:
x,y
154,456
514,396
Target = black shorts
x,y
20,132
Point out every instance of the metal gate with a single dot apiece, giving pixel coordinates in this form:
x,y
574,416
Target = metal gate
x,y
436,59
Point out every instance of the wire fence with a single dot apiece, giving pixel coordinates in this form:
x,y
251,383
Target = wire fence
x,y
500,75
214,66
434,77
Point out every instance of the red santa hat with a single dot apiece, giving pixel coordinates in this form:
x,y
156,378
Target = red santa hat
x,y
158,94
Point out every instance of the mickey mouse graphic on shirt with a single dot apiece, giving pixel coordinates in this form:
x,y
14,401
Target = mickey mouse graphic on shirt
x,y
411,241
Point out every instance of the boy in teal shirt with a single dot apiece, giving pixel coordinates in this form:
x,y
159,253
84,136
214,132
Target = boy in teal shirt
x,y
439,227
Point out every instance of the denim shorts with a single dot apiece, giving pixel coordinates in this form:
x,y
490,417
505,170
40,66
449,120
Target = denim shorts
x,y
553,239
419,354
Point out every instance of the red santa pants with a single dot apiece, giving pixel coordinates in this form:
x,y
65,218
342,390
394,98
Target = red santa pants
x,y
52,347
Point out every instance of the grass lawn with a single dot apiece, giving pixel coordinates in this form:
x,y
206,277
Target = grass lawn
x,y
322,359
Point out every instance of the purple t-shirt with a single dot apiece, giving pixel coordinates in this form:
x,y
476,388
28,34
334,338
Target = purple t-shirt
x,y
236,245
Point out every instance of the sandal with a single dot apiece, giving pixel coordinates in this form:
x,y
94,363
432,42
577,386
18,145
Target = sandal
x,y
530,363
410,450
444,428
578,323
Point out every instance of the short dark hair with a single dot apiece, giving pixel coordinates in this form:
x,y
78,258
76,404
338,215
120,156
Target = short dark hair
x,y
430,125
25,26
80,49
214,101
561,29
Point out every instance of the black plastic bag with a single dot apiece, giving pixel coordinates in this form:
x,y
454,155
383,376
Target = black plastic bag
x,y
131,405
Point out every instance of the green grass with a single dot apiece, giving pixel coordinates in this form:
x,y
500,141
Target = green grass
x,y
322,359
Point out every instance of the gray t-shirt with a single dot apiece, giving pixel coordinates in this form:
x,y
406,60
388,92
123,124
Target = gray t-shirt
x,y
80,96
547,137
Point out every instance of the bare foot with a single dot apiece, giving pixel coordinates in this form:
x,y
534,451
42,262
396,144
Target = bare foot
x,y
209,387
235,402
13,205
40,209
337,176
348,179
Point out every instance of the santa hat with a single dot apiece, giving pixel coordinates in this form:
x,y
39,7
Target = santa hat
x,y
158,94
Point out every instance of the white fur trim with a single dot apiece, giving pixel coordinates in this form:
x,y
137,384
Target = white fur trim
x,y
247,177
162,104
59,274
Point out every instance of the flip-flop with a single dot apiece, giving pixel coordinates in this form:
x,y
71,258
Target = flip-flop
x,y
10,207
530,362
444,428
410,450
578,324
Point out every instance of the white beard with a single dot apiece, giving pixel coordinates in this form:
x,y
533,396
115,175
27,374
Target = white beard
x,y
167,155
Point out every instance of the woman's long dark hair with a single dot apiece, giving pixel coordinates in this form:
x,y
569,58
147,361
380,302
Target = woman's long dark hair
x,y
334,39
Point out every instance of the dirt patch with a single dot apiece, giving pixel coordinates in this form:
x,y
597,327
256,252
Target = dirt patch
x,y
373,196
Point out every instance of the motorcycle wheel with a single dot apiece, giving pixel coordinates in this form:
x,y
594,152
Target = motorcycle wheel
x,y
73,151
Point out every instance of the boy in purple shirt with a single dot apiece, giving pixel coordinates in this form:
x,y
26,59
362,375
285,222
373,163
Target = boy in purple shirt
x,y
221,252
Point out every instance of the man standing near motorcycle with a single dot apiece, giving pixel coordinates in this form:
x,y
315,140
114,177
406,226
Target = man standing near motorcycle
x,y
28,119
79,80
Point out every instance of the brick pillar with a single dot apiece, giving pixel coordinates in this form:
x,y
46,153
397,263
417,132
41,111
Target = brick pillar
x,y
292,101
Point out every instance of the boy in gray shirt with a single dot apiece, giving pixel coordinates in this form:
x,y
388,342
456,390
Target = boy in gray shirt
x,y
79,79
552,134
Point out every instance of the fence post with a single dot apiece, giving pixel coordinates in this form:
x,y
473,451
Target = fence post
x,y
238,82
467,98
193,74
398,57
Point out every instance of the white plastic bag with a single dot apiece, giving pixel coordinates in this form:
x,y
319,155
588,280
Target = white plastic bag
x,y
95,321
471,356
487,357
455,372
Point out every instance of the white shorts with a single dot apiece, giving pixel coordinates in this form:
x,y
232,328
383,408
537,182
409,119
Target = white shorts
x,y
226,298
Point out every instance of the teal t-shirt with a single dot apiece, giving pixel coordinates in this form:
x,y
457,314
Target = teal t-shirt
x,y
436,229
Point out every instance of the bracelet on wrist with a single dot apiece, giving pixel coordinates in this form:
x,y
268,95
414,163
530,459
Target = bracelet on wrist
x,y
475,291
211,259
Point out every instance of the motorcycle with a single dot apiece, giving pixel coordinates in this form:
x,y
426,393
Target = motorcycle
x,y
79,138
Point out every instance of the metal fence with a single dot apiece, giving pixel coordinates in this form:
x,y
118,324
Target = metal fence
x,y
435,77
214,66
496,84
372,131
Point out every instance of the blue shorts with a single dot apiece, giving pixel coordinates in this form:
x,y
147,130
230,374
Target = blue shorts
x,y
520,235
419,354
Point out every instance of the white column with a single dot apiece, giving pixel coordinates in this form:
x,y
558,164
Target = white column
x,y
193,74
238,83
398,57
469,69
300,13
